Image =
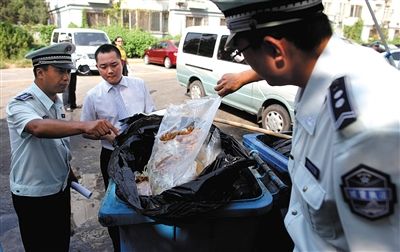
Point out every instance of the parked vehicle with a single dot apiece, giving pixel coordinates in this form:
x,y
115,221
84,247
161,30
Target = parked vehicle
x,y
163,53
201,62
86,41
396,57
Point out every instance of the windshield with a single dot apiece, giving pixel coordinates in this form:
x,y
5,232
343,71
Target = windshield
x,y
90,39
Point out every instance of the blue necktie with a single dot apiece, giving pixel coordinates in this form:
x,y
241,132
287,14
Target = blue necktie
x,y
119,102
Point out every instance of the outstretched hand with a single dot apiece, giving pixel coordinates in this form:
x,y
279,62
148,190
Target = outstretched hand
x,y
100,128
228,83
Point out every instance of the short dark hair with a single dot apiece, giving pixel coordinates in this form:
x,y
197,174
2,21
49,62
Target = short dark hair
x,y
305,34
44,67
117,37
106,48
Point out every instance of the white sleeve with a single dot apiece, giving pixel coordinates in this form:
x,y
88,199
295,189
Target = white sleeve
x,y
367,187
20,113
88,109
148,100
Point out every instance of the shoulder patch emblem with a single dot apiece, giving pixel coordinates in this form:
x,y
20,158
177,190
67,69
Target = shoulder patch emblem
x,y
369,192
24,97
341,108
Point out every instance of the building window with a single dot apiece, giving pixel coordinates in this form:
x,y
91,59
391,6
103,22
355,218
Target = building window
x,y
355,11
143,20
96,19
133,20
155,21
165,21
194,21
149,20
125,18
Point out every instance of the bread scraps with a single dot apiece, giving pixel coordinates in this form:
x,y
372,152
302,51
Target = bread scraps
x,y
171,135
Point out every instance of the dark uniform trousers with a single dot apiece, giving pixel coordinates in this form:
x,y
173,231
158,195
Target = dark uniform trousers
x,y
44,222
105,156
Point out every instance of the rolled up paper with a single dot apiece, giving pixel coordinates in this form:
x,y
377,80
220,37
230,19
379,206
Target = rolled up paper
x,y
81,189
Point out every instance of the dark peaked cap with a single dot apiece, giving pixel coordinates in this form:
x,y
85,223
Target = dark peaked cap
x,y
58,55
245,15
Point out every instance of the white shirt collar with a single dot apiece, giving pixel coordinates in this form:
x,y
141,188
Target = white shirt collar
x,y
108,86
44,99
309,101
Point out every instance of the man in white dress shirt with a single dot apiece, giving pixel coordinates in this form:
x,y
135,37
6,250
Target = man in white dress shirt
x,y
114,98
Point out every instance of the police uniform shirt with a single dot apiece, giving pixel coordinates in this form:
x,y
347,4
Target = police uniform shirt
x,y
344,163
39,166
99,102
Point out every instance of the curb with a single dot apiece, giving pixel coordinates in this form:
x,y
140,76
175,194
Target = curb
x,y
135,60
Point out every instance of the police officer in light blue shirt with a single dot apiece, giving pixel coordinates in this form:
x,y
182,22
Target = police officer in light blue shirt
x,y
344,163
40,151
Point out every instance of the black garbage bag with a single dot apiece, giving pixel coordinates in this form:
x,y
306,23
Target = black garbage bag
x,y
223,180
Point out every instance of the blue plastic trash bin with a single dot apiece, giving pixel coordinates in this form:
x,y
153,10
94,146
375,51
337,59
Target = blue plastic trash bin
x,y
266,152
242,225
277,161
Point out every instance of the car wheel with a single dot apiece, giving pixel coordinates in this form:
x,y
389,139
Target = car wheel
x,y
196,90
146,59
276,118
167,62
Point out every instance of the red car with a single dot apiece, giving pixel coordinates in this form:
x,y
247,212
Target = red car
x,y
164,53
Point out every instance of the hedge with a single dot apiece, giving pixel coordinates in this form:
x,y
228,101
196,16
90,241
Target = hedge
x,y
135,41
15,41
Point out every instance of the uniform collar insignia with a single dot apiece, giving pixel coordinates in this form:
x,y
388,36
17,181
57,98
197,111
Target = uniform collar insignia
x,y
24,97
341,107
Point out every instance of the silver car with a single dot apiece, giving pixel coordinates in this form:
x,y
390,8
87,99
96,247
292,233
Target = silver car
x,y
201,62
396,56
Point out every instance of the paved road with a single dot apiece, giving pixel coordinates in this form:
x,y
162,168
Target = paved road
x,y
89,235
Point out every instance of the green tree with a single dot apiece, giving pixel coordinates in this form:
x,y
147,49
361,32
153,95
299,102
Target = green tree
x,y
45,33
85,23
14,40
396,40
135,41
24,11
114,13
354,32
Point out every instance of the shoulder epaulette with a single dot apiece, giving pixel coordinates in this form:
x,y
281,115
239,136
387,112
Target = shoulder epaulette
x,y
341,108
24,97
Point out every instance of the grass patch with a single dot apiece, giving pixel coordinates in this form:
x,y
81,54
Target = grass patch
x,y
15,63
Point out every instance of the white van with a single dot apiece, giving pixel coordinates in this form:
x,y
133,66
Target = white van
x,y
86,41
201,62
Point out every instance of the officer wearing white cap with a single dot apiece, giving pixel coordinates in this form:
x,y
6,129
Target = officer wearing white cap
x,y
58,55
40,151
344,164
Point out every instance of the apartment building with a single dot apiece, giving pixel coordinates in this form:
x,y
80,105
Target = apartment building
x,y
348,12
162,17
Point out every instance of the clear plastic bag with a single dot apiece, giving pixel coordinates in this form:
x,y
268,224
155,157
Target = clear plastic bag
x,y
209,151
178,142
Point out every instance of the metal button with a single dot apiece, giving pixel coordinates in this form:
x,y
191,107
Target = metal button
x,y
294,212
305,188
